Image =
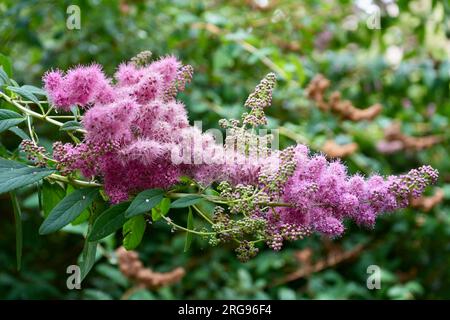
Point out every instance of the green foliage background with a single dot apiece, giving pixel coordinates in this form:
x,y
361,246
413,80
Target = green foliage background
x,y
232,45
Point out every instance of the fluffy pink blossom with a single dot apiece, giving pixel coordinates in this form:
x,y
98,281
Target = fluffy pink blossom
x,y
81,86
139,137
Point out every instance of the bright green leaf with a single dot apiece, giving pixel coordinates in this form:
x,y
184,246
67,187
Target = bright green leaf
x,y
133,231
161,209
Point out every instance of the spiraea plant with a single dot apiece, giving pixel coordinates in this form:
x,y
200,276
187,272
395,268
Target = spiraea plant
x,y
135,158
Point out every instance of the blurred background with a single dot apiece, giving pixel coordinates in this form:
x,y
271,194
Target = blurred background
x,y
392,53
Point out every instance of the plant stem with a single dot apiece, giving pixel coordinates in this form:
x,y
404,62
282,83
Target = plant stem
x,y
176,226
74,182
64,117
33,113
202,214
220,200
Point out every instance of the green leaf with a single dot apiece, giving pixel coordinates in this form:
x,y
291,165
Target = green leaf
x,y
25,93
34,90
88,257
186,201
144,202
19,235
71,126
133,231
52,194
113,273
68,209
6,65
20,133
86,212
14,175
190,226
8,164
4,79
108,222
84,216
89,254
9,119
161,209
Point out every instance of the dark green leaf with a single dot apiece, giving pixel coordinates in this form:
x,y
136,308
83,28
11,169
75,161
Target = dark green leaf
x,y
34,90
20,133
144,202
161,209
25,94
186,201
8,164
133,231
52,194
190,226
88,257
14,175
108,222
68,209
114,274
86,212
18,221
9,119
71,126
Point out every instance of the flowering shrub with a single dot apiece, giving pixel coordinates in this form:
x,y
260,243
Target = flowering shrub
x,y
134,156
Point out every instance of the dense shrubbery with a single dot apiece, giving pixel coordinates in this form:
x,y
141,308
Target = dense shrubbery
x,y
236,44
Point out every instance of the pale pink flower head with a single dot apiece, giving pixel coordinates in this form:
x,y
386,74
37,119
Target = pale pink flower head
x,y
127,74
146,151
85,82
53,80
57,93
168,67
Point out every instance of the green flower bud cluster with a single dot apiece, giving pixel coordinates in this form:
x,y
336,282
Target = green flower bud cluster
x,y
275,181
261,98
246,250
227,229
141,59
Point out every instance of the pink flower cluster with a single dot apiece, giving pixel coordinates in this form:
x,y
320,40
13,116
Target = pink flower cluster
x,y
324,194
134,123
